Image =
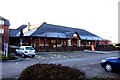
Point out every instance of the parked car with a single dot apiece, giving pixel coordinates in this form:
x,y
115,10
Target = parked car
x,y
117,46
26,51
111,64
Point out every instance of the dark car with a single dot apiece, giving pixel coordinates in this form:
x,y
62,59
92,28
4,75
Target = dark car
x,y
111,64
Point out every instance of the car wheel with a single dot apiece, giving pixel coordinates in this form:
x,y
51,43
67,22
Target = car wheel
x,y
33,56
23,55
16,53
108,67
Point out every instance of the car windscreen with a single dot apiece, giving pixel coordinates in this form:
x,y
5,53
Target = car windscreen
x,y
29,48
21,49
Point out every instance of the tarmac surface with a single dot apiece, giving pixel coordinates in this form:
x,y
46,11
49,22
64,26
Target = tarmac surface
x,y
87,61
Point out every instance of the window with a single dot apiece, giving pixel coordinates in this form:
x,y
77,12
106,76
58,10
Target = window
x,y
1,22
29,48
1,30
21,48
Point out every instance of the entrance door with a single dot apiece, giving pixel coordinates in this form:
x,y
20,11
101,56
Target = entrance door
x,y
74,41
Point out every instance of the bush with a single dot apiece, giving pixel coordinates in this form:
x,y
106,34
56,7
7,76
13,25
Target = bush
x,y
51,72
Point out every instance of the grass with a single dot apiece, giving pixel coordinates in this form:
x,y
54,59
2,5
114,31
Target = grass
x,y
9,57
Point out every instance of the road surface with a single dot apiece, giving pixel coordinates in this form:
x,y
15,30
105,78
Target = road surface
x,y
87,61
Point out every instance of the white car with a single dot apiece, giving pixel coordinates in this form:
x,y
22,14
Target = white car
x,y
26,51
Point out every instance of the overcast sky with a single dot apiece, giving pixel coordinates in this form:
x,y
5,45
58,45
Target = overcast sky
x,y
97,16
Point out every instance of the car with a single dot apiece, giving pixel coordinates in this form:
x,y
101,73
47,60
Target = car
x,y
117,46
111,64
26,51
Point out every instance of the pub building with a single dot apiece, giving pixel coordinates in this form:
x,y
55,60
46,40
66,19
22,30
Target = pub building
x,y
48,36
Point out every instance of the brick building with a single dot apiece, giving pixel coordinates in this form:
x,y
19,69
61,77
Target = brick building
x,y
4,31
53,36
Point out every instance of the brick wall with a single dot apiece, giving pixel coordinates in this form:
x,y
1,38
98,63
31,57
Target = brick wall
x,y
5,35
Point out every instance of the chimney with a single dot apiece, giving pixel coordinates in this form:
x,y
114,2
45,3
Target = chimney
x,y
29,26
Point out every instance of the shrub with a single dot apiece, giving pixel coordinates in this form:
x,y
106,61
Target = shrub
x,y
51,72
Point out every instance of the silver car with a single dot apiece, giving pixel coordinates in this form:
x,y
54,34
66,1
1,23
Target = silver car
x,y
26,51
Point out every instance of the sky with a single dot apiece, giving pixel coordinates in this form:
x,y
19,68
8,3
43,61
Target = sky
x,y
99,17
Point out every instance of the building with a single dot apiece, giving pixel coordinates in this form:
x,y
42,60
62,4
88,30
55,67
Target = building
x,y
53,36
4,31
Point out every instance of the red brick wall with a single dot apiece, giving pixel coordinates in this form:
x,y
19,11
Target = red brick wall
x,y
6,33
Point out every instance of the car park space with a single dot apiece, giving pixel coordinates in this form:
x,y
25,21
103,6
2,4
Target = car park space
x,y
69,55
72,54
95,70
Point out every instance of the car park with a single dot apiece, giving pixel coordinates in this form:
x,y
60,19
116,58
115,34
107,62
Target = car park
x,y
111,64
26,51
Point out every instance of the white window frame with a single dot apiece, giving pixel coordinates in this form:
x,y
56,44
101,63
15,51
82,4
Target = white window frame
x,y
1,30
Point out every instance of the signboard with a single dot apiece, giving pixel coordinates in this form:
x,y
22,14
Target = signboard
x,y
6,49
